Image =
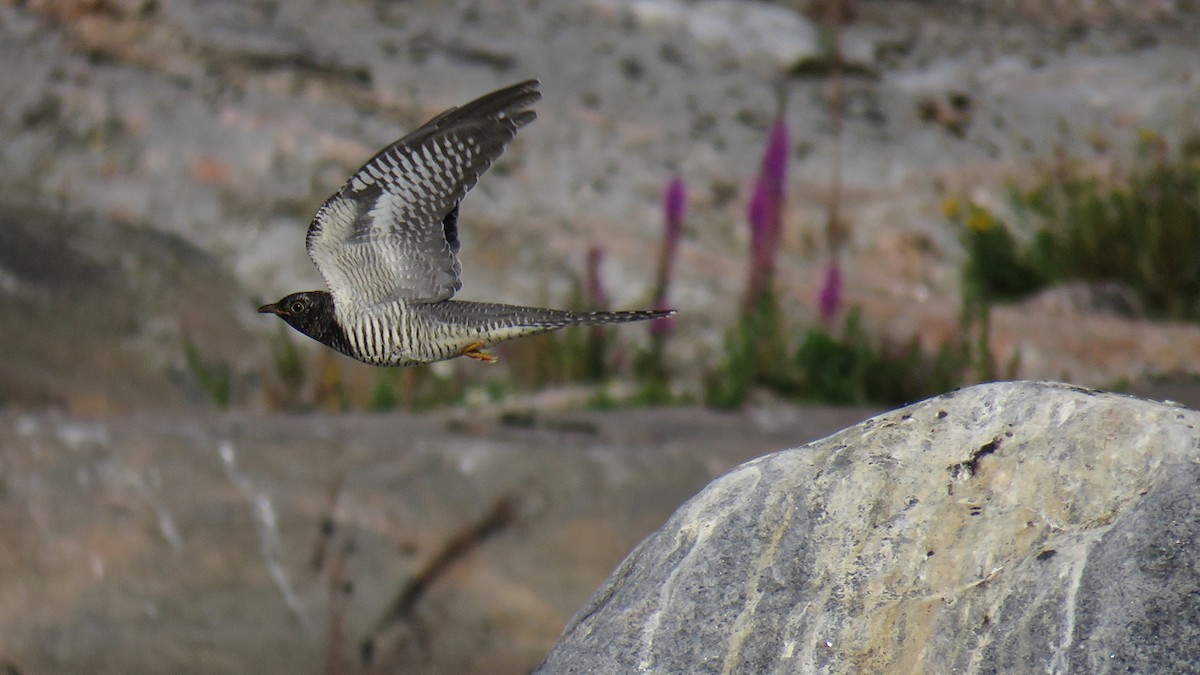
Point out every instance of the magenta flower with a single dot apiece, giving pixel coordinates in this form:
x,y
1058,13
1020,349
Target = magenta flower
x,y
674,207
765,210
776,154
829,298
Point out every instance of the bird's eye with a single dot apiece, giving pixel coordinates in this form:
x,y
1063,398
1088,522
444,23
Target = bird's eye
x,y
297,307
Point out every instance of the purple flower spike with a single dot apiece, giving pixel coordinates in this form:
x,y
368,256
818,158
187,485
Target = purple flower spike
x,y
675,201
765,210
674,207
774,179
775,157
829,299
758,212
597,297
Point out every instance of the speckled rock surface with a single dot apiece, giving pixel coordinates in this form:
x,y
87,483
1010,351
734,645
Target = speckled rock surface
x,y
1012,527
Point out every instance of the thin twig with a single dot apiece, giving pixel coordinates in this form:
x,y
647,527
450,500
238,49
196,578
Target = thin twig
x,y
501,515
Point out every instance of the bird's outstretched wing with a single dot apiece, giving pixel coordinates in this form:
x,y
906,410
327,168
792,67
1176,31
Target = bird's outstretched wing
x,y
391,232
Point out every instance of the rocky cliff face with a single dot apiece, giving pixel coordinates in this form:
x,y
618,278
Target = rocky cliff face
x,y
1012,527
225,124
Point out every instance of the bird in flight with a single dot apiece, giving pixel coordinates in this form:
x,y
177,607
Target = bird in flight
x,y
387,246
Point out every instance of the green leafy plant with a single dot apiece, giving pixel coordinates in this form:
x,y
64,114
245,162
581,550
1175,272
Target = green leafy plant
x,y
728,386
1139,227
998,268
414,388
214,377
384,395
853,368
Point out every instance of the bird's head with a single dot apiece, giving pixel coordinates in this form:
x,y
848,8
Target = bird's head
x,y
310,312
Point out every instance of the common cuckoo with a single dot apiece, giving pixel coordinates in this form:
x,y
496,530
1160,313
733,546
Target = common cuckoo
x,y
387,246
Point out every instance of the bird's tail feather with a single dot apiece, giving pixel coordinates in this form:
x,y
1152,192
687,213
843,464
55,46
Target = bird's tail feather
x,y
594,318
534,317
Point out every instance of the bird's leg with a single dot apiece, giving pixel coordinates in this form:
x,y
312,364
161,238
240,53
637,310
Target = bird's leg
x,y
475,351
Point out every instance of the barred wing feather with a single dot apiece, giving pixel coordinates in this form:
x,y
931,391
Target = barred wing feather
x,y
391,232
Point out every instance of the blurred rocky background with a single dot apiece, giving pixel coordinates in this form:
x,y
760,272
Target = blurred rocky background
x,y
161,492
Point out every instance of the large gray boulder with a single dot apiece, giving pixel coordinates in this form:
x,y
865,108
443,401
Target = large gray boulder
x,y
1010,527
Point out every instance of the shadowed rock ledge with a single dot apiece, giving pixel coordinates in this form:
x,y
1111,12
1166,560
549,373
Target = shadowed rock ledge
x,y
451,541
1010,527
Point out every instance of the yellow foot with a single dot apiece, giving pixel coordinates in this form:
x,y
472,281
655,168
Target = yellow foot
x,y
475,351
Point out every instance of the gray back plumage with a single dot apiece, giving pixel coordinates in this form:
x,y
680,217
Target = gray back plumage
x,y
391,232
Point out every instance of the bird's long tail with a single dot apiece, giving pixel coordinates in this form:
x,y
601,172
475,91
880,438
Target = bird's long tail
x,y
497,315
593,318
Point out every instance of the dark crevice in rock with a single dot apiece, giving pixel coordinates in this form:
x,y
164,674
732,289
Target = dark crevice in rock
x,y
971,465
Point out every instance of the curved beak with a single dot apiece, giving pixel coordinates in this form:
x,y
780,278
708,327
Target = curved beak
x,y
271,309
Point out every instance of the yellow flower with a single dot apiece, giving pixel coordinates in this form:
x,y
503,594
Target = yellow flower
x,y
980,219
951,207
